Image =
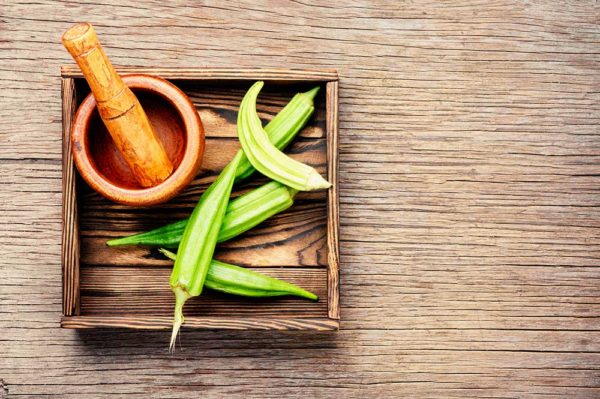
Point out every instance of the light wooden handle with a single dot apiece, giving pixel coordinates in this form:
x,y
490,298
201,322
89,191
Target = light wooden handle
x,y
118,107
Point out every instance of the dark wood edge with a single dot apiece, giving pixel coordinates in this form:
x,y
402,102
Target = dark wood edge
x,y
333,218
295,75
70,227
220,323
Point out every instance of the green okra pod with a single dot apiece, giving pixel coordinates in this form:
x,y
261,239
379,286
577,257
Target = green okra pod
x,y
255,207
243,213
237,280
266,157
282,129
198,243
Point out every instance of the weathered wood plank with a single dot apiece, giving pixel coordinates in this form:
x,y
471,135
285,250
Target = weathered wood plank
x,y
235,74
333,203
213,323
292,238
130,291
470,243
70,220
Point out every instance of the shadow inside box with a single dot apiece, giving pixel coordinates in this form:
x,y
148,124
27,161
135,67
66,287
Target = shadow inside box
x,y
193,343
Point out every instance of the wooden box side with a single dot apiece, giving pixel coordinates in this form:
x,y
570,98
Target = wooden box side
x,y
213,323
70,227
333,218
71,255
215,74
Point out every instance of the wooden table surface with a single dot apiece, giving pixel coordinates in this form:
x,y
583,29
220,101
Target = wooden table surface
x,y
470,208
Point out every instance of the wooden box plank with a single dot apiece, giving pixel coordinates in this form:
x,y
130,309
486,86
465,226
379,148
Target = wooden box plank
x,y
333,218
128,286
292,238
117,291
70,232
224,323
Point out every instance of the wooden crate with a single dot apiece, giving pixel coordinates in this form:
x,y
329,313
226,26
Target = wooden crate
x,y
128,286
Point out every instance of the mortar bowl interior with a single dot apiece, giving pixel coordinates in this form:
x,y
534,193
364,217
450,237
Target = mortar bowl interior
x,y
177,125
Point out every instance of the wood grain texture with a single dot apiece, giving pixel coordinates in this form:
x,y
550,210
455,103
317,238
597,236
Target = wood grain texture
x,y
70,253
133,291
333,203
223,323
468,181
286,74
294,238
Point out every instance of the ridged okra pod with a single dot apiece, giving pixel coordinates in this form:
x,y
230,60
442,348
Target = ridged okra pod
x,y
237,280
243,213
266,157
198,243
282,129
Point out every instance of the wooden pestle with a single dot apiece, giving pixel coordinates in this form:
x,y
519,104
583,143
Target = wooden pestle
x,y
119,108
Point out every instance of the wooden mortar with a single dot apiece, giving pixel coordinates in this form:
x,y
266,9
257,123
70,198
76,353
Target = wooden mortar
x,y
175,120
119,109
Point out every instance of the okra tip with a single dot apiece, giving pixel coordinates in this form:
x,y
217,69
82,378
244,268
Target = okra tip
x,y
115,242
167,253
312,93
316,182
309,295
